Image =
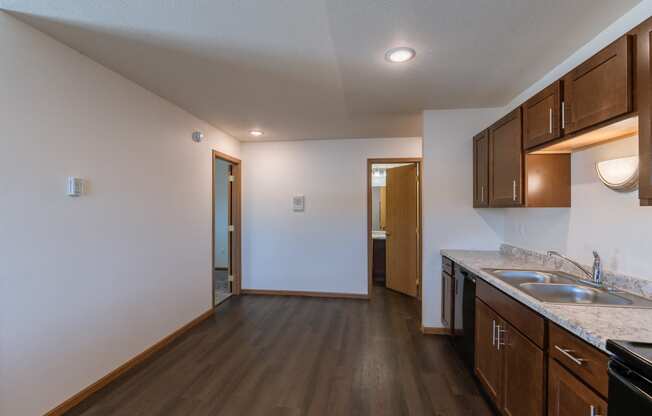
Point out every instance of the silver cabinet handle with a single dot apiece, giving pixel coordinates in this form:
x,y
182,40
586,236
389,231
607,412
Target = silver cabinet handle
x,y
567,353
563,114
593,411
498,332
482,193
550,120
514,190
493,334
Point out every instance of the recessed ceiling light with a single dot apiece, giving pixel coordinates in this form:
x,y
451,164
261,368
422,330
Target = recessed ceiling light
x,y
256,133
400,54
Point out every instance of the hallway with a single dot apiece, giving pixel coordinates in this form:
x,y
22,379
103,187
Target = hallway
x,y
264,355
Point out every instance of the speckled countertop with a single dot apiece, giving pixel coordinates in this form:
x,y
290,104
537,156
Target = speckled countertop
x,y
594,324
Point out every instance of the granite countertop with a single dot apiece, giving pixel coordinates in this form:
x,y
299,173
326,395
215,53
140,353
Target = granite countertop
x,y
594,324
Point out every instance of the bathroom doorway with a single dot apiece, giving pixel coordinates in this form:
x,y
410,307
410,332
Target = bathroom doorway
x,y
226,227
394,225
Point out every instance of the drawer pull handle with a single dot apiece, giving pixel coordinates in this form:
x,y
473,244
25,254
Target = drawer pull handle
x,y
567,353
498,332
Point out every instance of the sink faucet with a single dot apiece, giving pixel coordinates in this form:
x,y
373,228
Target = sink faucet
x,y
594,276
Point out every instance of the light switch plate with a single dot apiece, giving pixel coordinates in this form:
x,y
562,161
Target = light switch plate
x,y
298,203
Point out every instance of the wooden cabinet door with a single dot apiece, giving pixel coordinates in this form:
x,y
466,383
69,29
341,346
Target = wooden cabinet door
x,y
523,374
447,301
506,161
600,88
481,170
644,105
542,117
568,396
488,358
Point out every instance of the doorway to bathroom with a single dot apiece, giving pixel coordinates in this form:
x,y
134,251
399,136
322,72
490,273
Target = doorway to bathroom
x,y
394,225
226,227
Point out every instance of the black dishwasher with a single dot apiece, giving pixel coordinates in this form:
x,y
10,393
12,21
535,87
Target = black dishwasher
x,y
464,316
630,378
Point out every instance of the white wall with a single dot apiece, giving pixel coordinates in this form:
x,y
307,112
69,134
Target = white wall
x,y
221,195
323,249
449,218
87,283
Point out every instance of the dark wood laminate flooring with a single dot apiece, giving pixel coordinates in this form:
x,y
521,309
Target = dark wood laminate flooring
x,y
263,355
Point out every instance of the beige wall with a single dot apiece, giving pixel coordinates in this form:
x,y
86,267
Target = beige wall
x,y
87,283
323,249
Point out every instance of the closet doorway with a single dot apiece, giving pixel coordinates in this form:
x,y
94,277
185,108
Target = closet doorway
x,y
226,265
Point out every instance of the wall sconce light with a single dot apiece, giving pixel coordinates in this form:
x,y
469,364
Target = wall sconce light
x,y
620,175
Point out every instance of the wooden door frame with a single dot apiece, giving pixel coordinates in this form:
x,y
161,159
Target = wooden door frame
x,y
370,163
236,210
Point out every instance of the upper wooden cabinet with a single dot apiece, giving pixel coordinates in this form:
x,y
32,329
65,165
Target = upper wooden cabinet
x,y
506,161
600,88
542,117
481,170
644,104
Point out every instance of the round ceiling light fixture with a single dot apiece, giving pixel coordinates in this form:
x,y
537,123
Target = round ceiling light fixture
x,y
256,133
400,54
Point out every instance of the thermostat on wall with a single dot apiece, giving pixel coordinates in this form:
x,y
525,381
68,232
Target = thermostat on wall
x,y
298,203
74,186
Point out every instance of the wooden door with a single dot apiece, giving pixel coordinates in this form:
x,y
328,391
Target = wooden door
x,y
568,396
506,161
402,226
481,170
523,374
644,106
447,294
541,117
488,358
600,88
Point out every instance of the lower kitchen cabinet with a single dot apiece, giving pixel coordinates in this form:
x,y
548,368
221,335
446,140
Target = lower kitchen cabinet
x,y
488,358
509,366
568,396
523,374
447,299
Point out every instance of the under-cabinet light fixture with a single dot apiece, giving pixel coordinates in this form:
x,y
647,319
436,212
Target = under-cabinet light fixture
x,y
620,175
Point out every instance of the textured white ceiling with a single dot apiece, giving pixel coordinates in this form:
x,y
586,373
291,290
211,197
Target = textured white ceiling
x,y
301,69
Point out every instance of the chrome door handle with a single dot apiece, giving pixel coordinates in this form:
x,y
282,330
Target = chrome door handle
x,y
550,120
563,114
514,189
482,193
493,334
567,353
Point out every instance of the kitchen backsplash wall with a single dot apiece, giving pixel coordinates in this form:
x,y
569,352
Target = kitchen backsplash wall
x,y
600,219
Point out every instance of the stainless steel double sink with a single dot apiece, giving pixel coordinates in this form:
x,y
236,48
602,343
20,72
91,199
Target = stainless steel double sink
x,y
560,287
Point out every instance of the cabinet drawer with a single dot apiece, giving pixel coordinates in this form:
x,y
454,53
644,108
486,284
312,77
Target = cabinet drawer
x,y
528,322
585,361
447,265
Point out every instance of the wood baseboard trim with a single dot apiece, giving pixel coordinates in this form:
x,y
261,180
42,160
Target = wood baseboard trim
x,y
115,374
333,295
429,330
